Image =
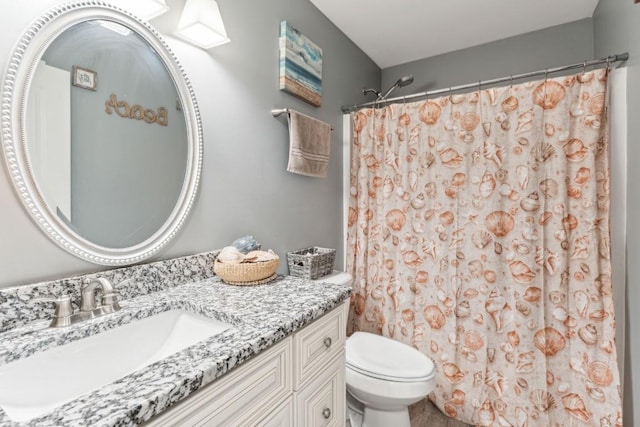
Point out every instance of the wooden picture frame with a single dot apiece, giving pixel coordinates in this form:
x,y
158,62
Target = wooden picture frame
x,y
84,78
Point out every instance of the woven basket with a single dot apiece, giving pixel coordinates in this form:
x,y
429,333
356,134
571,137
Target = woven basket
x,y
247,273
311,263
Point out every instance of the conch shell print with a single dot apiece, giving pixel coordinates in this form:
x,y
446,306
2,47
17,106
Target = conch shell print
x,y
478,233
359,121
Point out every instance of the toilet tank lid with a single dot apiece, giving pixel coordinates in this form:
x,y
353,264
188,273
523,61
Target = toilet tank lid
x,y
337,277
386,357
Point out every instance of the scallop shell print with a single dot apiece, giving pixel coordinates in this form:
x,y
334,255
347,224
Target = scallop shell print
x,y
548,94
429,113
469,121
434,316
549,341
500,223
510,104
395,219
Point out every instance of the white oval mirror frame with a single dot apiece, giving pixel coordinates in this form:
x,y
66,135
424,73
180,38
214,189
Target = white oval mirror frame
x,y
19,72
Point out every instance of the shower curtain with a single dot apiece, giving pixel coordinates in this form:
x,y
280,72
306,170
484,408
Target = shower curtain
x,y
478,233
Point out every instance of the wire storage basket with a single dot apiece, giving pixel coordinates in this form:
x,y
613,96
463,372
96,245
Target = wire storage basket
x,y
311,263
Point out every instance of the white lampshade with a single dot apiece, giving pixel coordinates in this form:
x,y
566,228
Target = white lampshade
x,y
201,24
143,9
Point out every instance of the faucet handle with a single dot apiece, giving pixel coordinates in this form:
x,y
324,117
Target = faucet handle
x,y
63,312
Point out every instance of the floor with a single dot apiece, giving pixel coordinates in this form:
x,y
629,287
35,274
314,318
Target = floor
x,y
426,414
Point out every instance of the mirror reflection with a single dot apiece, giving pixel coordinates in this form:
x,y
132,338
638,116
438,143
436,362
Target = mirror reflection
x,y
106,136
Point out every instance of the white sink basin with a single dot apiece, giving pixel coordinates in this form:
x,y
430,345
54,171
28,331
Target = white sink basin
x,y
37,384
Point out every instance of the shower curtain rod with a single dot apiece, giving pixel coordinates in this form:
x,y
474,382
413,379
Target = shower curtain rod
x,y
608,60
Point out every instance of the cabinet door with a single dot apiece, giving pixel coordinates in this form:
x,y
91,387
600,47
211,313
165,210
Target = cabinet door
x,y
321,402
317,344
239,396
280,417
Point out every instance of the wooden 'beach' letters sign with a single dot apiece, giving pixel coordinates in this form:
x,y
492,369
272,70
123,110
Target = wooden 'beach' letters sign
x,y
123,109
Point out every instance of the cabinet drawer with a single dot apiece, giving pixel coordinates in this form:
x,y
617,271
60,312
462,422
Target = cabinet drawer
x,y
254,388
321,402
315,345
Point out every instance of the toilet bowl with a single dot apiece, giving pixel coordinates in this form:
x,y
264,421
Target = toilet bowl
x,y
386,376
383,376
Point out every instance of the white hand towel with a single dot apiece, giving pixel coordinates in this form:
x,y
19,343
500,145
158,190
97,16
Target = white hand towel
x,y
309,145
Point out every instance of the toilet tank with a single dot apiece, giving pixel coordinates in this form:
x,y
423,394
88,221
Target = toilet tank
x,y
337,277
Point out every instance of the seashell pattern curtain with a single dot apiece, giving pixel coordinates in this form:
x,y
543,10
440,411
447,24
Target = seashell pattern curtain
x,y
478,233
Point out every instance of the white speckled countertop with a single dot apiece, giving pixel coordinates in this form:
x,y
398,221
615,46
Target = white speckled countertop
x,y
261,316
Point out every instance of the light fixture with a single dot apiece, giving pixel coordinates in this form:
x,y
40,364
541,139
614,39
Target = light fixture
x,y
201,24
143,9
115,27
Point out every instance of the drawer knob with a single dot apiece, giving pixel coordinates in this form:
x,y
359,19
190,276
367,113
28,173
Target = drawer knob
x,y
326,413
327,342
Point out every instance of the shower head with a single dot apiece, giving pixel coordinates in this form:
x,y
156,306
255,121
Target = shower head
x,y
401,82
367,91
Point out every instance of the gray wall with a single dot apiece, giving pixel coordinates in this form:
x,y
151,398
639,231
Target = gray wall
x,y
548,48
245,188
616,30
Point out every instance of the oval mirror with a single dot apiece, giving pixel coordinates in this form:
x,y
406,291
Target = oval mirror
x,y
101,133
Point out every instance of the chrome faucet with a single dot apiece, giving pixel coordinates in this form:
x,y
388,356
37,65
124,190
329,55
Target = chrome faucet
x,y
64,315
88,296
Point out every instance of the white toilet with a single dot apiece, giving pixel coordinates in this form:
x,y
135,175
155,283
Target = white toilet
x,y
386,376
383,376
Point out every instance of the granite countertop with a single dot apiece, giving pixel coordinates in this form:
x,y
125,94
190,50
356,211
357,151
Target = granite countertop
x,y
260,315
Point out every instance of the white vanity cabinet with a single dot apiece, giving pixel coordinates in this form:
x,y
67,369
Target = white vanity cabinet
x,y
298,382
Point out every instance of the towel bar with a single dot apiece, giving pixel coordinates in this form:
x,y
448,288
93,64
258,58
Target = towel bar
x,y
279,111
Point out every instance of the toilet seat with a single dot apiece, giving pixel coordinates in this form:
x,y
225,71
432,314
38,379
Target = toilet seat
x,y
386,359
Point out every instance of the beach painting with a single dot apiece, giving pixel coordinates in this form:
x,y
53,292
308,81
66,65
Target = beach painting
x,y
300,65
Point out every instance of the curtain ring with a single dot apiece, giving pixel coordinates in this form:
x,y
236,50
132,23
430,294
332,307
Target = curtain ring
x,y
546,74
584,67
511,81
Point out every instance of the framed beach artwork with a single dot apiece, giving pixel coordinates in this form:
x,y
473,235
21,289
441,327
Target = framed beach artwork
x,y
84,78
300,65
